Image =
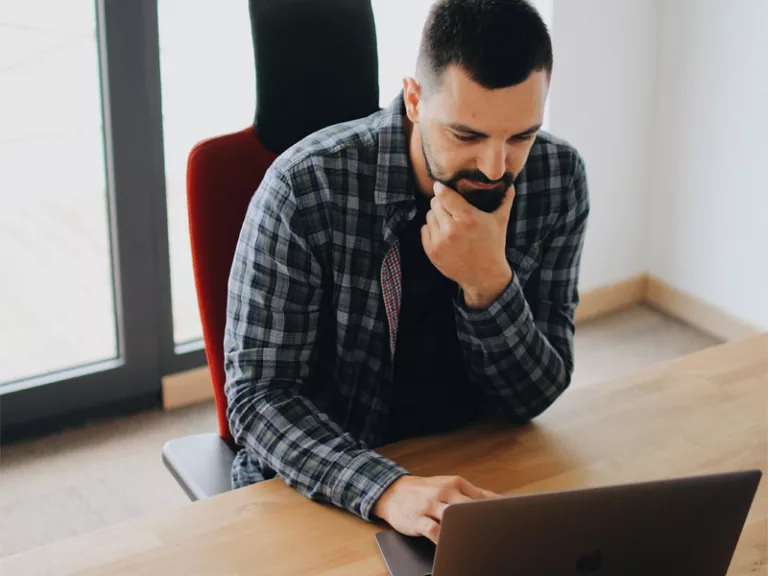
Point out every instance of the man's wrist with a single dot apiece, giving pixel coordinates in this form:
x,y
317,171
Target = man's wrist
x,y
379,507
481,297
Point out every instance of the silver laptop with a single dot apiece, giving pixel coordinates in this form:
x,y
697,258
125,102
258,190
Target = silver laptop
x,y
683,526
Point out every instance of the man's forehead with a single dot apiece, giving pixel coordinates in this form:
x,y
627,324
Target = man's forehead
x,y
515,108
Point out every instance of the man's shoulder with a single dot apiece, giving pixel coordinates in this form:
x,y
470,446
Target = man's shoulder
x,y
554,168
324,173
553,182
347,145
553,156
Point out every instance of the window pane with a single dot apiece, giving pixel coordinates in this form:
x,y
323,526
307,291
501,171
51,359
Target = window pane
x,y
56,294
208,88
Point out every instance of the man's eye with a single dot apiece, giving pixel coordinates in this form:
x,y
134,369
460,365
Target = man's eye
x,y
464,137
525,137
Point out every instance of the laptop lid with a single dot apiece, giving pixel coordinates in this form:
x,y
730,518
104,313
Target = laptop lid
x,y
680,526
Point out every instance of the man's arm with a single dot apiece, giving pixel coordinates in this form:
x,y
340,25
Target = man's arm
x,y
518,349
275,299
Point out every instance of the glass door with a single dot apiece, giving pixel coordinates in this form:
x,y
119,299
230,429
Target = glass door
x,y
57,298
208,89
81,224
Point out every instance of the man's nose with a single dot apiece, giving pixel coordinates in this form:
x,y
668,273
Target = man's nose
x,y
493,162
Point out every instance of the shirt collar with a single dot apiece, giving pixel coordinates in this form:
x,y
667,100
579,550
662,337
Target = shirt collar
x,y
392,173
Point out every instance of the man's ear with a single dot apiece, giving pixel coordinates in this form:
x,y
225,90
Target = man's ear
x,y
412,97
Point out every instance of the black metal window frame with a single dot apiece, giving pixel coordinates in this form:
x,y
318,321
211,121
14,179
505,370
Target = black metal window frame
x,y
129,63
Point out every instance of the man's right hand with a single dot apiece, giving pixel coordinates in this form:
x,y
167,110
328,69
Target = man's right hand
x,y
414,505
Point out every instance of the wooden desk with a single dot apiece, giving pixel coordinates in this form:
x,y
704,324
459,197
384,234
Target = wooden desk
x,y
700,414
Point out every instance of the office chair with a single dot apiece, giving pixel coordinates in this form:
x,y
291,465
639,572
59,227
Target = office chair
x,y
316,65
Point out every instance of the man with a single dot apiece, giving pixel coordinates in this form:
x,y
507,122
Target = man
x,y
408,273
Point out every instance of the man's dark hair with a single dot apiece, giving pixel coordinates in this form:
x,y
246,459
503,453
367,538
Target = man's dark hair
x,y
498,43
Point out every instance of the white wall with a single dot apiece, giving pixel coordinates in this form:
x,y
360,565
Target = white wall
x,y
602,102
708,228
398,32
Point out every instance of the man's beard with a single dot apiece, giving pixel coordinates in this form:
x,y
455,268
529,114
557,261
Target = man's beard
x,y
485,199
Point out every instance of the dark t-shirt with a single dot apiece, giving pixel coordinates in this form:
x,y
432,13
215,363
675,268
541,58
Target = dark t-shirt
x,y
432,393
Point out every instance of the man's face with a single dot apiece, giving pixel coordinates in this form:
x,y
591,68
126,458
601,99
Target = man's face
x,y
477,141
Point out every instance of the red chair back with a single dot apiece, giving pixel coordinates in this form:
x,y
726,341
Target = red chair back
x,y
222,175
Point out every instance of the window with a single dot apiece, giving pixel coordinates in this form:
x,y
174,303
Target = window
x,y
57,299
201,98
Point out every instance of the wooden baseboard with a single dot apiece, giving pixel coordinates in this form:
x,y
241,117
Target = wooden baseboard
x,y
665,298
696,312
608,299
186,388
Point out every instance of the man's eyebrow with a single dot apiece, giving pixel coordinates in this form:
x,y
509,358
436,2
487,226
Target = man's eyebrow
x,y
529,131
467,130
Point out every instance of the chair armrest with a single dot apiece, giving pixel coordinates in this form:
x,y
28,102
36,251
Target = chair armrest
x,y
201,464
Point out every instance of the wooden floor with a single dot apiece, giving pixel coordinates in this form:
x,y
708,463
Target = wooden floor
x,y
108,472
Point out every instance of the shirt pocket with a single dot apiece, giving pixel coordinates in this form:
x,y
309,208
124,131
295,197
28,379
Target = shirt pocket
x,y
524,260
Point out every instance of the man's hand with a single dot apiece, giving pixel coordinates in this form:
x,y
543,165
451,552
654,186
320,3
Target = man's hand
x,y
468,245
414,505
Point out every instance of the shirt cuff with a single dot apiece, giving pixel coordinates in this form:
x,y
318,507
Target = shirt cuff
x,y
509,309
362,480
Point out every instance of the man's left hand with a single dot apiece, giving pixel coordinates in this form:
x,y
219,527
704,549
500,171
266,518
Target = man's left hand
x,y
468,245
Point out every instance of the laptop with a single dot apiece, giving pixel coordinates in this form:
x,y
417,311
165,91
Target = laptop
x,y
683,526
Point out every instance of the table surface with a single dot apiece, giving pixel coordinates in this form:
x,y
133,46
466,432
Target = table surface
x,y
703,413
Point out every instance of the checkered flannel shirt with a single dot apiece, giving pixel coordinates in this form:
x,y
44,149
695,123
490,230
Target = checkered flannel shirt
x,y
314,297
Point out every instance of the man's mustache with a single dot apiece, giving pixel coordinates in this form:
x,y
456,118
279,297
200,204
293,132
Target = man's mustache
x,y
477,176
487,200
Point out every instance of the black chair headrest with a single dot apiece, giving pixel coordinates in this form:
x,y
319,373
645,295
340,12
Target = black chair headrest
x,y
316,65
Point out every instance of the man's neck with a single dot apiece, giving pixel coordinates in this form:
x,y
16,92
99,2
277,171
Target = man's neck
x,y
416,157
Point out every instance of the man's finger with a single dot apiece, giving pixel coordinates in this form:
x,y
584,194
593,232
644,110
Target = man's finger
x,y
436,510
453,202
433,223
457,498
428,527
444,219
472,491
426,239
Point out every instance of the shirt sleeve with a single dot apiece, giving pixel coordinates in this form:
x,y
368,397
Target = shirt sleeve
x,y
276,296
519,350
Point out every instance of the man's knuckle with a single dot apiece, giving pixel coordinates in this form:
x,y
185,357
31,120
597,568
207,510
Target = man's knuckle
x,y
446,493
424,525
454,485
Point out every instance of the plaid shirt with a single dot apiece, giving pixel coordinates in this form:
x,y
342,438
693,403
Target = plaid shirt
x,y
314,297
